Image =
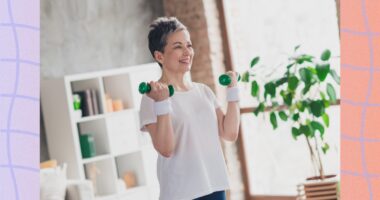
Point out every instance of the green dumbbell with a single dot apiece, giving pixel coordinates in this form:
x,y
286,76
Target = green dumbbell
x,y
225,79
145,88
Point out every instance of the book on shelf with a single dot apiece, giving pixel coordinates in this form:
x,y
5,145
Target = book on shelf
x,y
94,98
86,102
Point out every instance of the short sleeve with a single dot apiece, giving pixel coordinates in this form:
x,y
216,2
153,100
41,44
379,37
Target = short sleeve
x,y
146,114
211,96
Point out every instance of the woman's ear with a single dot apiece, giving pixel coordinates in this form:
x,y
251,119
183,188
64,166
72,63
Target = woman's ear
x,y
159,56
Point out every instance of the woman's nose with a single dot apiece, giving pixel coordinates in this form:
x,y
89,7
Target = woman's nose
x,y
187,51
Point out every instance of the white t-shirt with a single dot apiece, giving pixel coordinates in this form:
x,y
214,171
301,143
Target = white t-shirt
x,y
197,166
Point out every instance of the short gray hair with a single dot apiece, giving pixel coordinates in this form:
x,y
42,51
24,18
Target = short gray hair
x,y
159,31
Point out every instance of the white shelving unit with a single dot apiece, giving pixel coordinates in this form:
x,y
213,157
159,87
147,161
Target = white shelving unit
x,y
120,146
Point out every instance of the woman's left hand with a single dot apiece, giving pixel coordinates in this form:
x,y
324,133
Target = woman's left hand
x,y
234,76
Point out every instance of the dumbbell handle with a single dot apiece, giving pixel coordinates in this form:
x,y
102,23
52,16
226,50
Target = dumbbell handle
x,y
225,79
145,88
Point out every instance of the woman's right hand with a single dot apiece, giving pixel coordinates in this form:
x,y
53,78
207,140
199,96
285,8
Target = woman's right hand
x,y
159,91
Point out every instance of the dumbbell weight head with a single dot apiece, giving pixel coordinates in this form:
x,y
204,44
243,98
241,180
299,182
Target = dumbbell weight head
x,y
145,88
225,79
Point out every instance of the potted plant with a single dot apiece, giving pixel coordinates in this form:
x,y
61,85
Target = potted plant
x,y
302,94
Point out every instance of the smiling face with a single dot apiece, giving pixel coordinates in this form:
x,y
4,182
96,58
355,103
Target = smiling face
x,y
178,52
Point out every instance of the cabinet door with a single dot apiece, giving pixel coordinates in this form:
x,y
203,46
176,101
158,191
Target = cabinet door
x,y
122,130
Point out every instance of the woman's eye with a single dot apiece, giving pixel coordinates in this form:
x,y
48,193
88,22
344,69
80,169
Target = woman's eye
x,y
177,47
189,45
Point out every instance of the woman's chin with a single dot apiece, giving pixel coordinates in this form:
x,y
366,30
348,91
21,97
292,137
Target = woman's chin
x,y
186,67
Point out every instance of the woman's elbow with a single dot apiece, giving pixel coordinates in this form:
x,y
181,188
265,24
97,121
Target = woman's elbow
x,y
231,137
165,151
166,154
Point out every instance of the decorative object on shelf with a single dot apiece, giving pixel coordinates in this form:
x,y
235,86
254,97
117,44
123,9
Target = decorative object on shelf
x,y
77,106
121,185
88,102
109,103
94,99
117,105
76,101
48,164
53,183
80,190
93,172
87,145
130,179
298,95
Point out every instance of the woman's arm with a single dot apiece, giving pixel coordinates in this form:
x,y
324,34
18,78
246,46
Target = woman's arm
x,y
162,135
229,124
161,132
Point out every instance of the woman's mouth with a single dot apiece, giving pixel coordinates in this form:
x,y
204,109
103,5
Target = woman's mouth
x,y
185,61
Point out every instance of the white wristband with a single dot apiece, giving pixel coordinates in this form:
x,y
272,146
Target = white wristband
x,y
162,107
233,94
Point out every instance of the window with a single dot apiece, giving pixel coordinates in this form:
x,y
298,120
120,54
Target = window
x,y
271,29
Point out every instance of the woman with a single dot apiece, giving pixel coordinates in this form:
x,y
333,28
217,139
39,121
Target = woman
x,y
186,127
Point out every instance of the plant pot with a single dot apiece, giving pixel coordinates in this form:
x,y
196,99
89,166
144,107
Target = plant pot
x,y
317,189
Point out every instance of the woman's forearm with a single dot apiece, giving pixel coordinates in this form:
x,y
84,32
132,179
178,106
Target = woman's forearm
x,y
165,137
232,121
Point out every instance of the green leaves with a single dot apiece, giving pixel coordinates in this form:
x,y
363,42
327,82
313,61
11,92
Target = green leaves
x,y
273,120
255,61
304,58
325,148
331,92
295,132
306,75
295,117
283,115
322,71
292,83
335,76
270,89
300,90
306,130
245,77
259,108
317,108
281,81
326,119
316,126
296,47
326,55
288,98
254,89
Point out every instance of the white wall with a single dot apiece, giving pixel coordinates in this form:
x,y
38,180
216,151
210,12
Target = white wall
x,y
88,35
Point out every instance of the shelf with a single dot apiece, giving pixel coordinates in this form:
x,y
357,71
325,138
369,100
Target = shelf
x,y
136,193
122,129
96,158
119,145
132,162
98,130
102,116
103,175
118,88
90,118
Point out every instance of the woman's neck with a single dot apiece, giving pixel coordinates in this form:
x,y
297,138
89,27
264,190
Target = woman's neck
x,y
177,80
